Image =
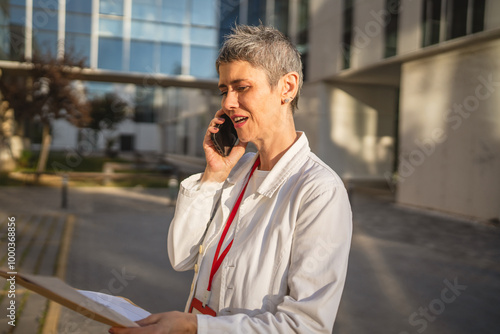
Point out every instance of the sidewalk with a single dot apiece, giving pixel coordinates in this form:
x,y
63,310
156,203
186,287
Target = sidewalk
x,y
410,271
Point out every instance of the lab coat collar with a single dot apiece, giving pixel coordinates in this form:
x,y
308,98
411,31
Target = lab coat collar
x,y
294,157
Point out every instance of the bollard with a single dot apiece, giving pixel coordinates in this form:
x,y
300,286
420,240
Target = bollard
x,y
64,192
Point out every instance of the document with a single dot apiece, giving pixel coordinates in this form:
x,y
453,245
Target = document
x,y
110,310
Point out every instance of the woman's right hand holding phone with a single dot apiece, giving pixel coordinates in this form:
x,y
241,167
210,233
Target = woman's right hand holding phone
x,y
218,167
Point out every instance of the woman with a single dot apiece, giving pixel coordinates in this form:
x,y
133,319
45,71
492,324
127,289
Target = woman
x,y
274,260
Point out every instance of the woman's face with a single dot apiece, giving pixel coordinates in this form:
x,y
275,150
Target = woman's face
x,y
250,102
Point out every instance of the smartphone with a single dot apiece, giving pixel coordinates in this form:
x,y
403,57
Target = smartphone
x,y
226,138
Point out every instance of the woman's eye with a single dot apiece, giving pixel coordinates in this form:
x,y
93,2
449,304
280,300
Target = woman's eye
x,y
241,89
223,93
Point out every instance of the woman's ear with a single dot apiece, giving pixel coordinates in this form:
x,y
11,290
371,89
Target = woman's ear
x,y
290,85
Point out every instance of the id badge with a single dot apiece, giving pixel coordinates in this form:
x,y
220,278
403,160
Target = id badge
x,y
197,308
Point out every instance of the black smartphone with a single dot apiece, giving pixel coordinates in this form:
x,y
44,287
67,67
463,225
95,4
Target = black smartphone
x,y
226,138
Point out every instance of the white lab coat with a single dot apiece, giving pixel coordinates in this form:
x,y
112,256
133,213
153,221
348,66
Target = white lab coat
x,y
286,269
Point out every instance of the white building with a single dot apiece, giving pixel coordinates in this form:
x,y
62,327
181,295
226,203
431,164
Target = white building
x,y
412,87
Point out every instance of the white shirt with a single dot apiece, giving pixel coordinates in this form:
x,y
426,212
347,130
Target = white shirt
x,y
286,269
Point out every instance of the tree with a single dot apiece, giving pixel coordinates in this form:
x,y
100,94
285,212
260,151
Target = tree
x,y
106,113
46,92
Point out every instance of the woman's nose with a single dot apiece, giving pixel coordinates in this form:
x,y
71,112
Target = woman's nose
x,y
230,101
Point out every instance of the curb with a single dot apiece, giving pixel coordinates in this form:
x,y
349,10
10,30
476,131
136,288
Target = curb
x,y
54,309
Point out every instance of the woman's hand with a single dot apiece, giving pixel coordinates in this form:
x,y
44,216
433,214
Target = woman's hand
x,y
219,167
162,323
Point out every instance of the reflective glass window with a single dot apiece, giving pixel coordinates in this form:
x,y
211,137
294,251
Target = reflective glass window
x,y
256,11
18,2
79,6
171,59
203,12
146,30
431,21
142,55
4,35
203,36
457,18
144,105
111,27
17,15
45,43
46,4
172,33
80,23
43,19
174,11
111,7
78,46
478,15
228,16
146,10
110,54
202,64
281,15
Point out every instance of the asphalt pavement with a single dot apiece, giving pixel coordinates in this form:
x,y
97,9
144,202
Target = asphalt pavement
x,y
410,270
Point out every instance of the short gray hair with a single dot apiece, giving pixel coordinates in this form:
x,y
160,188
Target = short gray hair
x,y
263,47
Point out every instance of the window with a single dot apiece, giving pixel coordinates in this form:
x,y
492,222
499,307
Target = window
x,y
171,59
110,54
78,46
146,10
78,23
144,105
281,15
256,12
203,36
45,43
79,6
203,12
478,16
449,19
45,23
77,41
44,4
228,16
142,57
110,27
347,32
111,7
303,34
203,62
456,14
145,30
174,11
431,21
391,29
12,32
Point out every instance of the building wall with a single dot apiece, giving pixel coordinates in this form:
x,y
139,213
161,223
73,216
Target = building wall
x,y
325,57
410,26
450,132
369,28
351,127
491,16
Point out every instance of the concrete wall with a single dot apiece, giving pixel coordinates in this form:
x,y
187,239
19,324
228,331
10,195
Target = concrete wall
x,y
369,33
350,127
410,26
450,132
326,58
491,16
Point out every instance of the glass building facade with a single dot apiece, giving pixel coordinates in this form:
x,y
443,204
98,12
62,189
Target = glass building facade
x,y
148,38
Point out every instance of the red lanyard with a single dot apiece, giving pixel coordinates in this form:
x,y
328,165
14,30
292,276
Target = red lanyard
x,y
218,259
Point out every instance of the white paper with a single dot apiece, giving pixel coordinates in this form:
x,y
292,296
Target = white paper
x,y
117,304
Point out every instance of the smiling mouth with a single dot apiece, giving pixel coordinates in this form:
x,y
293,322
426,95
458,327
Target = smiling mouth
x,y
238,120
